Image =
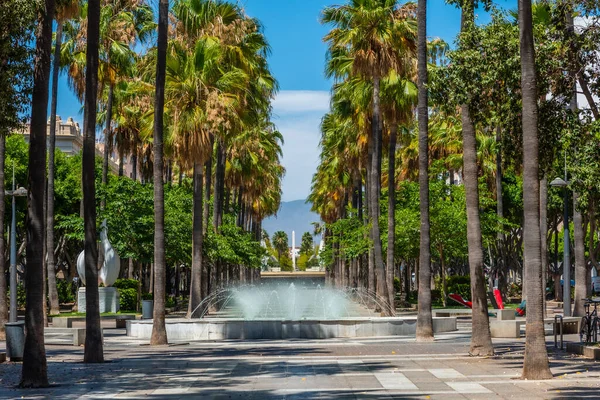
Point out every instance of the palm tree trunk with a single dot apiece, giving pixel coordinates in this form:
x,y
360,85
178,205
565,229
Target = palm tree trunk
x,y
50,260
535,362
391,216
134,161
3,291
159,332
121,161
93,352
208,177
581,270
107,134
374,195
544,236
35,371
481,341
424,318
197,241
370,284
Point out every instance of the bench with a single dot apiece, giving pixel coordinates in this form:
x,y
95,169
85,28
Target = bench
x,y
512,328
451,312
77,335
67,322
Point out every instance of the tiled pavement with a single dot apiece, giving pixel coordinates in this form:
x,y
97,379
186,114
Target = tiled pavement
x,y
370,368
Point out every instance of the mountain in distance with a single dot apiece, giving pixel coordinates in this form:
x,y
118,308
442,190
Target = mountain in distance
x,y
292,216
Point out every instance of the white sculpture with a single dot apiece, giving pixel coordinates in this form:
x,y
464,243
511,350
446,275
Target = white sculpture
x,y
109,272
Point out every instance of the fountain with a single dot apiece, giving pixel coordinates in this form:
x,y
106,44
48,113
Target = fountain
x,y
286,310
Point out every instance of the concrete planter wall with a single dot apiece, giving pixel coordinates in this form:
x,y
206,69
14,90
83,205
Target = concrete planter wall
x,y
222,329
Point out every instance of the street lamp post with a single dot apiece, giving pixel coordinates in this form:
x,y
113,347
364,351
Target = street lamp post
x,y
558,182
13,248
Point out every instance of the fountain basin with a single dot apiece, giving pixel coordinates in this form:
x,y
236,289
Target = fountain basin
x,y
226,328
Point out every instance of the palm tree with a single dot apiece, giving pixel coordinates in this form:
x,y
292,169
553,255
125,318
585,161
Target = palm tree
x,y
481,340
424,319
64,11
535,362
159,331
35,370
93,352
280,243
369,37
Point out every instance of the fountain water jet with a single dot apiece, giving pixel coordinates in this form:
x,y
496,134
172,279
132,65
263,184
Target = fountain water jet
x,y
286,310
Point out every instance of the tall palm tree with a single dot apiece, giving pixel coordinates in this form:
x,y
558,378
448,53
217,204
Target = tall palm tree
x,y
481,340
35,370
94,352
424,319
535,362
280,243
64,10
159,331
369,38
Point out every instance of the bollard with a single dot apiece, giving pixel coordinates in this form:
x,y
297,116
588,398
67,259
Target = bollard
x,y
556,318
15,340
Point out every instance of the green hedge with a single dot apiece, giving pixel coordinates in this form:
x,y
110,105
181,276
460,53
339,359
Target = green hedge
x,y
127,284
128,294
128,299
459,285
66,291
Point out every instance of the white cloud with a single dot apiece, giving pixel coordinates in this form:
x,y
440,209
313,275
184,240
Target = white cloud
x,y
300,101
297,115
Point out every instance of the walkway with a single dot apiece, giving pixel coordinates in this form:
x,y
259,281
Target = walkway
x,y
340,368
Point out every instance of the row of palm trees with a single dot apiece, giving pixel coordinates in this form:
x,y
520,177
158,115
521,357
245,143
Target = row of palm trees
x,y
199,100
378,56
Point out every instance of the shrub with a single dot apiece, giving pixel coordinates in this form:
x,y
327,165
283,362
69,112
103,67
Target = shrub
x,y
170,302
286,263
460,285
302,262
147,296
66,291
128,299
127,284
397,287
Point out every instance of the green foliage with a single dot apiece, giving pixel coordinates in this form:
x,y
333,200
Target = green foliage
x,y
280,243
66,291
16,69
128,299
302,262
286,263
147,296
397,285
307,243
459,285
233,245
129,214
127,284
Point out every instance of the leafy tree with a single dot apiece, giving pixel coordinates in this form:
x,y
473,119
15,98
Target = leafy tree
x,y
15,88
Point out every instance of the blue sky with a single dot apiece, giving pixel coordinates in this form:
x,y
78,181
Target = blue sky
x,y
298,53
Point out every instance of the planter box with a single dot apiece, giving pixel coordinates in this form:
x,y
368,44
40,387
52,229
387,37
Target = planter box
x,y
592,352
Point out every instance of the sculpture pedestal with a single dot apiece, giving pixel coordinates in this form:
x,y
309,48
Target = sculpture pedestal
x,y
108,299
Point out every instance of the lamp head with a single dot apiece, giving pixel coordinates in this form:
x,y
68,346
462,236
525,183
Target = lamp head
x,y
559,182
